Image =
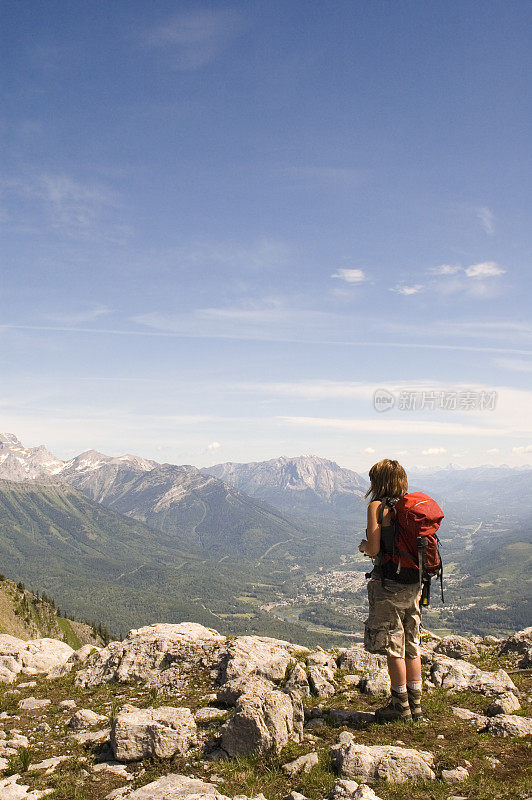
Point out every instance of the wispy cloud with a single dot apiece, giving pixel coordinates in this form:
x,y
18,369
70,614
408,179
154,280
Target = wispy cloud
x,y
214,446
406,290
445,269
350,275
522,449
77,318
75,209
433,451
487,219
514,364
486,269
395,426
192,39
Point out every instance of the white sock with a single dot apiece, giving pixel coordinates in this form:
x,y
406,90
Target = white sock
x,y
399,689
414,686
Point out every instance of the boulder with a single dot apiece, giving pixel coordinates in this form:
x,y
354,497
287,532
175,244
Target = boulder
x,y
457,675
351,790
10,789
30,658
504,704
77,657
355,658
175,787
302,764
468,716
376,683
456,647
32,704
85,717
298,681
508,725
255,655
456,775
147,652
520,643
380,762
145,733
263,724
320,658
321,680
256,685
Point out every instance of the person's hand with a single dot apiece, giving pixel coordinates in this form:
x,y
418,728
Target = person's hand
x,y
362,546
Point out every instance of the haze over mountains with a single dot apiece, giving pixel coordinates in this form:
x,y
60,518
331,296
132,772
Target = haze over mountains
x,y
126,540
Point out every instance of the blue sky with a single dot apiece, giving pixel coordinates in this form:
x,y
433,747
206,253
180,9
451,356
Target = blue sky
x,y
225,225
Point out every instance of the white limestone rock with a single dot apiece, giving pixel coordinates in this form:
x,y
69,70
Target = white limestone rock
x,y
370,763
263,724
32,704
505,704
376,683
456,647
355,658
300,765
321,680
255,655
298,681
520,643
174,787
147,652
249,684
145,733
77,657
469,716
457,675
456,775
30,657
508,725
85,717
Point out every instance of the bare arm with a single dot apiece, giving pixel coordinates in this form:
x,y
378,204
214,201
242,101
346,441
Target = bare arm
x,y
372,544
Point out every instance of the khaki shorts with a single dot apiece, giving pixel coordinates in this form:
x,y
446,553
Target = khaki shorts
x,y
393,625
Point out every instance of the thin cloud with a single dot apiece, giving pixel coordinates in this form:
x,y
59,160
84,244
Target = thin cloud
x,y
193,39
369,450
486,269
407,290
350,275
395,426
514,364
75,209
77,318
522,449
445,269
214,446
487,219
434,451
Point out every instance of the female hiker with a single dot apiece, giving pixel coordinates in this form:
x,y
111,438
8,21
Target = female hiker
x,y
393,624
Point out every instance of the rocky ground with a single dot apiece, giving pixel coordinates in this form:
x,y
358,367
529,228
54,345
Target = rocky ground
x,y
179,712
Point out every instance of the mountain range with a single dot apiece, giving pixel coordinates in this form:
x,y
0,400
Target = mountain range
x,y
126,540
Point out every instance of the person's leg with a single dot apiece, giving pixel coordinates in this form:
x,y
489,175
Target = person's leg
x,y
412,669
398,708
413,659
397,672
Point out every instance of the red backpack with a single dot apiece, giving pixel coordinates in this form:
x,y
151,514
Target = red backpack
x,y
414,554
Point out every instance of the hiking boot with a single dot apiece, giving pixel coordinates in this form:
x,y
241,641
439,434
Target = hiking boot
x,y
414,701
397,708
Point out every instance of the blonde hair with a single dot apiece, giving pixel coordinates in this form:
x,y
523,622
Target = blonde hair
x,y
387,479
